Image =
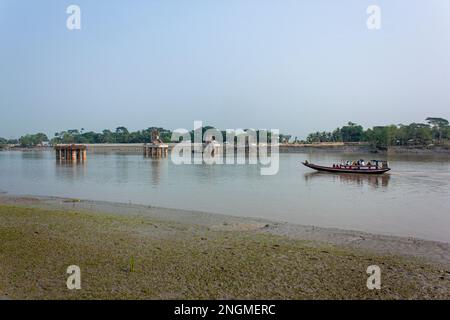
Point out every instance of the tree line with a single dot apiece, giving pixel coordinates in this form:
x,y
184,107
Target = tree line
x,y
119,135
434,131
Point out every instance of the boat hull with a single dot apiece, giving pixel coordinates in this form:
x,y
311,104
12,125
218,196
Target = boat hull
x,y
345,170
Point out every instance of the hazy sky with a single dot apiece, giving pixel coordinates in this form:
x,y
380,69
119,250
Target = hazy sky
x,y
299,66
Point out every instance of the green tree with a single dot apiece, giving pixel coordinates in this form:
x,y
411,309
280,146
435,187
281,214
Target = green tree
x,y
122,135
108,136
352,132
31,140
439,125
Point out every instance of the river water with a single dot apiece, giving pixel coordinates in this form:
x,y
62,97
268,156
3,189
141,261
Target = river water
x,y
412,200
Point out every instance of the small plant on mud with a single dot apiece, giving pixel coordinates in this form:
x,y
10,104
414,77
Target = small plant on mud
x,y
132,262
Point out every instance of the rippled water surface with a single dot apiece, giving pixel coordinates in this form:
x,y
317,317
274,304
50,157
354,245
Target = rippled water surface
x,y
412,200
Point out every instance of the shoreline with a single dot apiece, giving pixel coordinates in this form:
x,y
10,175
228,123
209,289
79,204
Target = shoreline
x,y
430,250
128,251
136,148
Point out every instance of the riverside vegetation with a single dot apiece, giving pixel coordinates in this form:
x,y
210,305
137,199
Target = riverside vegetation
x,y
434,131
138,257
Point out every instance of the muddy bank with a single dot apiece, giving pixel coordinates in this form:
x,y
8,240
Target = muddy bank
x,y
137,148
426,150
361,148
435,251
138,252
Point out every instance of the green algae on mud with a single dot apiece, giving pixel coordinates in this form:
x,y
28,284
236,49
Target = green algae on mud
x,y
136,257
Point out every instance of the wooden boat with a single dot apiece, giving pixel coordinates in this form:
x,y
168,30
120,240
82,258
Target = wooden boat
x,y
375,167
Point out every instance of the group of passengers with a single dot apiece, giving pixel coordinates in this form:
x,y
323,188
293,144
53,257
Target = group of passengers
x,y
359,163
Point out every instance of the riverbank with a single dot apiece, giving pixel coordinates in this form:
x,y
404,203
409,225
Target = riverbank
x,y
137,148
366,148
129,251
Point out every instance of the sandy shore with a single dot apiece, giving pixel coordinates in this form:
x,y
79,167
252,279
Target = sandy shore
x,y
141,252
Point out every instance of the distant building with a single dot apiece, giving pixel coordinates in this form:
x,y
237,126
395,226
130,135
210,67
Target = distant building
x,y
44,144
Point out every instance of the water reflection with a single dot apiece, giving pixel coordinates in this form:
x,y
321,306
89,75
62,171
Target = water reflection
x,y
72,170
32,154
375,181
156,171
122,166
